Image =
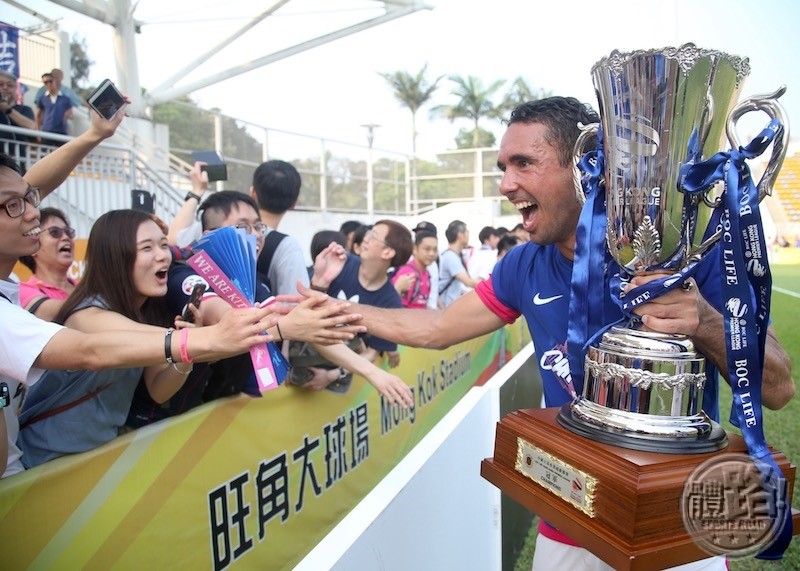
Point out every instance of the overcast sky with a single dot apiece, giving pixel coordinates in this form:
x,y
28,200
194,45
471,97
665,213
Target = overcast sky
x,y
334,89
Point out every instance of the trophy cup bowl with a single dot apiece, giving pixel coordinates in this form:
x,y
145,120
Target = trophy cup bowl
x,y
661,110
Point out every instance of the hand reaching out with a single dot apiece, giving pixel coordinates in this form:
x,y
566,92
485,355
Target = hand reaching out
x,y
404,283
328,265
392,387
105,128
199,178
394,358
315,321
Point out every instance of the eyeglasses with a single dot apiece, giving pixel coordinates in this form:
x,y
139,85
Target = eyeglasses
x,y
16,206
259,228
370,235
57,231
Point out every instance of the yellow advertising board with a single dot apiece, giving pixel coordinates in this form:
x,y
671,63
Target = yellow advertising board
x,y
256,482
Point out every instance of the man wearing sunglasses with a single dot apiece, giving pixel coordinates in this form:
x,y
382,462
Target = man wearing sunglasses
x,y
54,109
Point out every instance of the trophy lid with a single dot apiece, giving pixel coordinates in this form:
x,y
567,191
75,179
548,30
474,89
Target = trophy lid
x,y
687,56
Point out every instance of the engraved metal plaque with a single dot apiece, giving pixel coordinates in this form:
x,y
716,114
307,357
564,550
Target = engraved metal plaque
x,y
571,485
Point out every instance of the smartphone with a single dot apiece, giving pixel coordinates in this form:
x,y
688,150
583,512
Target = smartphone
x,y
215,165
194,299
106,100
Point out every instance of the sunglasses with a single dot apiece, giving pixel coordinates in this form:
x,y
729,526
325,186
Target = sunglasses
x,y
56,232
48,81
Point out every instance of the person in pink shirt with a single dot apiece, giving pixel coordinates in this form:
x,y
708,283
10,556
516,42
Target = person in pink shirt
x,y
50,283
426,248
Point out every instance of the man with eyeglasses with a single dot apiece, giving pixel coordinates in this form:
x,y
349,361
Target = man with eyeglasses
x,y
364,279
54,109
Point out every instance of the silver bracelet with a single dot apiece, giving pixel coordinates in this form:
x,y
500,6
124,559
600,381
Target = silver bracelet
x,y
175,366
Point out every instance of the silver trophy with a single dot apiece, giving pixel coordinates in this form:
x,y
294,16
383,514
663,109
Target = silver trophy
x,y
660,110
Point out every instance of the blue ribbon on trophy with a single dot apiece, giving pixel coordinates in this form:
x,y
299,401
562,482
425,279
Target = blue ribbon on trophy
x,y
589,265
747,282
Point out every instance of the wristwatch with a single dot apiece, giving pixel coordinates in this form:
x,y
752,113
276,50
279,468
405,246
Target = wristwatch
x,y
191,194
342,373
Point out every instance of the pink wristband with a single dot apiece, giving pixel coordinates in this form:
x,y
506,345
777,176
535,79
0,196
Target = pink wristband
x,y
185,345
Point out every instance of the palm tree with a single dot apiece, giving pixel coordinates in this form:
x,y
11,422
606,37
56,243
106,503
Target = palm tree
x,y
474,102
520,92
412,91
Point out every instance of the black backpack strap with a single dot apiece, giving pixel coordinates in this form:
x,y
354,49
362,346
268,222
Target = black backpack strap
x,y
271,242
442,290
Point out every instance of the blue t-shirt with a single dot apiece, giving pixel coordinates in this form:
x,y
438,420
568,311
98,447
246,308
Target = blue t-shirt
x,y
534,280
53,120
347,287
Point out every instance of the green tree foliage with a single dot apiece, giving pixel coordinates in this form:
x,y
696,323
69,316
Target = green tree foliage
x,y
412,91
520,92
466,139
474,103
192,128
79,64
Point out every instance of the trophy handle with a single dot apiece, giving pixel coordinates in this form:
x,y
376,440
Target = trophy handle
x,y
767,103
586,133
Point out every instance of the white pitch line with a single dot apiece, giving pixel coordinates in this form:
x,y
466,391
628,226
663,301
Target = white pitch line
x,y
786,291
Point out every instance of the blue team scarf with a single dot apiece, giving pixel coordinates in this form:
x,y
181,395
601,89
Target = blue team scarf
x,y
588,289
747,284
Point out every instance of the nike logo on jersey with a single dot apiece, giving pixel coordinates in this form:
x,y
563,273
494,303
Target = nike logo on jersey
x,y
538,300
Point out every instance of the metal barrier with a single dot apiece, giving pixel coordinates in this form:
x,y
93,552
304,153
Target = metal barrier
x,y
338,177
103,181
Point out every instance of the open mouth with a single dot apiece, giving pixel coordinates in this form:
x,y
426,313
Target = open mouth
x,y
527,209
161,274
33,232
65,249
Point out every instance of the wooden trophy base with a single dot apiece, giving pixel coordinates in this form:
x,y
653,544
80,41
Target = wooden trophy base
x,y
622,505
